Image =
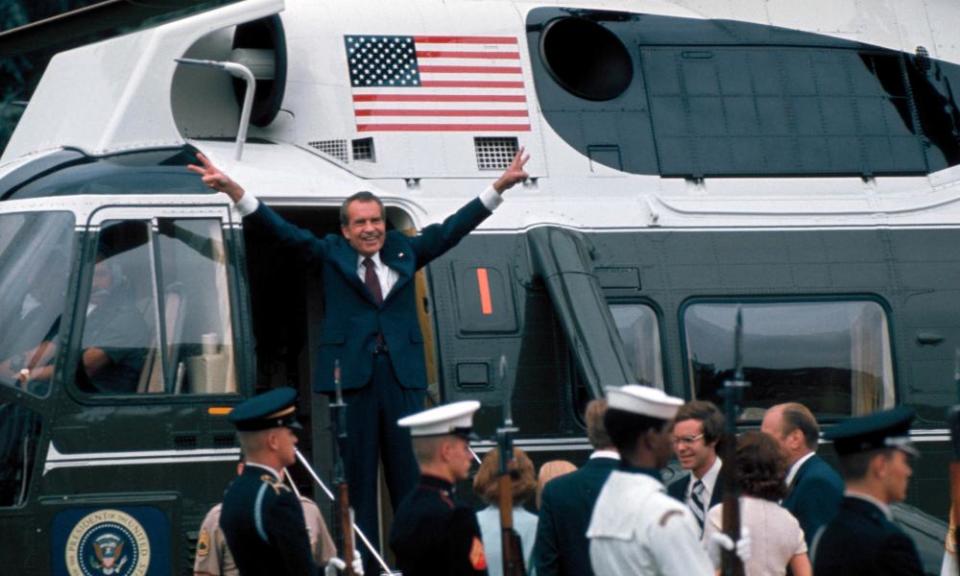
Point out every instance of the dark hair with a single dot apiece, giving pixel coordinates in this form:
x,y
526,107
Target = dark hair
x,y
707,413
626,428
761,466
854,466
596,432
362,196
796,416
486,484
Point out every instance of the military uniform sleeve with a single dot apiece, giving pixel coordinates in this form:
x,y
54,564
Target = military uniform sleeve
x,y
210,546
546,556
321,543
286,529
466,544
898,556
675,547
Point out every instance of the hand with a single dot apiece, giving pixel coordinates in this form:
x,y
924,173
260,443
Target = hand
x,y
720,541
513,174
336,565
215,179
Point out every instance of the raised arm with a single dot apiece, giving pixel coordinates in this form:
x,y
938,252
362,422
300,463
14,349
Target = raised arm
x,y
215,178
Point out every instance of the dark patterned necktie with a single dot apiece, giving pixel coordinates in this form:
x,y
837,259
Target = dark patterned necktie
x,y
696,502
372,281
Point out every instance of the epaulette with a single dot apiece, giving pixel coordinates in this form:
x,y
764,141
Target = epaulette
x,y
275,483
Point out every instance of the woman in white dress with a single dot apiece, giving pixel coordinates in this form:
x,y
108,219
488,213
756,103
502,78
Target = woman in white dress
x,y
775,535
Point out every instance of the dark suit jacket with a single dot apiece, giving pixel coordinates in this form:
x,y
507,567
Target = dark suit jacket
x,y
352,318
678,490
815,496
861,541
263,523
561,547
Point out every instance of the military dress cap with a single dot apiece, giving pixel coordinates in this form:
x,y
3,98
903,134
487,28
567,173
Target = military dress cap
x,y
274,409
643,400
886,429
456,418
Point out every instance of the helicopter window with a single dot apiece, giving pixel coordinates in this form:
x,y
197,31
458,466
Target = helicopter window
x,y
158,321
35,253
834,357
640,333
199,339
19,441
120,331
143,172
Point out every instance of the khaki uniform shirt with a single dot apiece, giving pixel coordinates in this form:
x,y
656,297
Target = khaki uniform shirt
x,y
214,558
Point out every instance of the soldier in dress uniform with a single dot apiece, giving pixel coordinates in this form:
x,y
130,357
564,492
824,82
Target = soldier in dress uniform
x,y
432,532
261,518
874,461
215,559
636,528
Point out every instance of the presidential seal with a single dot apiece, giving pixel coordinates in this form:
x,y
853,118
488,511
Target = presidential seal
x,y
108,543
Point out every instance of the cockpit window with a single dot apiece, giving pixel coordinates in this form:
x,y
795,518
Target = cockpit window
x,y
70,172
832,356
36,251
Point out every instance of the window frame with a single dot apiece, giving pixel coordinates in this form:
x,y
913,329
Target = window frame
x,y
746,300
152,214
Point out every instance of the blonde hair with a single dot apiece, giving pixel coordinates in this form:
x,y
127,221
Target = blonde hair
x,y
551,470
486,483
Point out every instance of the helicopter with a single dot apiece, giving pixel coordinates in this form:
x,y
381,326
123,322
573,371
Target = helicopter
x,y
689,159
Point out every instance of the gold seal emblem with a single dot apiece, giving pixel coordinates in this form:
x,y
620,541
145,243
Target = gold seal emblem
x,y
108,543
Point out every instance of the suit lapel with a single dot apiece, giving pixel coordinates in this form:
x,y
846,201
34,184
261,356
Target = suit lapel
x,y
399,259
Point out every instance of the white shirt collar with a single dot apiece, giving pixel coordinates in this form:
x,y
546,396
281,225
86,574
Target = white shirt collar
x,y
709,479
792,473
265,467
376,261
868,498
605,454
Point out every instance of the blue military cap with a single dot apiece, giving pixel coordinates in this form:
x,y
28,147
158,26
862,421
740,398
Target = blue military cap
x,y
886,429
274,409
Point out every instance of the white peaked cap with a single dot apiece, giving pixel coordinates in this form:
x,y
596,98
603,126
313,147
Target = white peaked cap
x,y
643,400
456,418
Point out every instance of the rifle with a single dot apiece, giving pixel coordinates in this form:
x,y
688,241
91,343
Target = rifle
x,y
732,394
953,420
512,551
344,514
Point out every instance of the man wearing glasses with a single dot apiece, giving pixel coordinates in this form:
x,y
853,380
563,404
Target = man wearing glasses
x,y
696,430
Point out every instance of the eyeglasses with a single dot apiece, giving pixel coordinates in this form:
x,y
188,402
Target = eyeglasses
x,y
686,440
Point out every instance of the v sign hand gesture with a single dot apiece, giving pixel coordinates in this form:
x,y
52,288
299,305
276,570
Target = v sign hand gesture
x,y
215,179
513,174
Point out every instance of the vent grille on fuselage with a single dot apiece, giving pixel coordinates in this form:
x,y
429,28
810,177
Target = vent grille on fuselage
x,y
363,150
494,153
333,148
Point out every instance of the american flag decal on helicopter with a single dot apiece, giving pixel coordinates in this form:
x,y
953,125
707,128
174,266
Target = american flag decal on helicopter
x,y
437,83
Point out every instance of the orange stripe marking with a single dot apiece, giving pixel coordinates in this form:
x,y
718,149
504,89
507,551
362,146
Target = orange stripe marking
x,y
483,282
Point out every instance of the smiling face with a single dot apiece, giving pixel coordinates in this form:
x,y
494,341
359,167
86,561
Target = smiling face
x,y
691,447
365,229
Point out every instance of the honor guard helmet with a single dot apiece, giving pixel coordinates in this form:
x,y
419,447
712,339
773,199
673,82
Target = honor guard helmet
x,y
274,409
886,429
455,419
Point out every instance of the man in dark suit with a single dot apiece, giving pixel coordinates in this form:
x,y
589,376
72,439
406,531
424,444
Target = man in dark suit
x,y
561,547
814,487
696,431
862,539
370,321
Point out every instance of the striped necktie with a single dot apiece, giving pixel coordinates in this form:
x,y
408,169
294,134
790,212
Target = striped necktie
x,y
696,502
